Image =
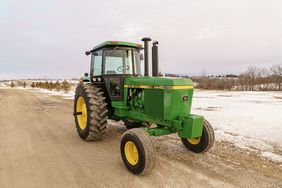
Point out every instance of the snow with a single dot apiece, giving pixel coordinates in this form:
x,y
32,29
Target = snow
x,y
65,95
272,157
5,84
2,84
250,120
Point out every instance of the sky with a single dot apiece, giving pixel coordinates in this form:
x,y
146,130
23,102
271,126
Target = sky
x,y
47,39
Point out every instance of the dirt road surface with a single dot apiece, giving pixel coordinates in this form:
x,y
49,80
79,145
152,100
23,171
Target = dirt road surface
x,y
39,147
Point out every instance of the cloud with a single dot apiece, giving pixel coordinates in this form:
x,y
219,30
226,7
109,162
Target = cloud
x,y
50,37
205,33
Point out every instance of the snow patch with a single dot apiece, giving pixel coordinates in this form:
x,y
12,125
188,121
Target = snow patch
x,y
5,84
2,84
65,95
243,142
272,157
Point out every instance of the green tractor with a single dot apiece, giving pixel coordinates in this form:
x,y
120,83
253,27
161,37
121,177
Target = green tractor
x,y
148,105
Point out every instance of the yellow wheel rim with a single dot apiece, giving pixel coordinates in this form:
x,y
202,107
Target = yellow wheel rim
x,y
194,141
131,153
81,107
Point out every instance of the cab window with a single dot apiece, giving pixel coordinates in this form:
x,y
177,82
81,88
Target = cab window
x,y
96,63
118,61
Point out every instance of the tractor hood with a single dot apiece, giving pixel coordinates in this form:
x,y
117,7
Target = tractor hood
x,y
158,82
163,97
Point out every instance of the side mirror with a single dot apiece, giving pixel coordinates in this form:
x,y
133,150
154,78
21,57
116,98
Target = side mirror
x,y
141,57
87,53
86,74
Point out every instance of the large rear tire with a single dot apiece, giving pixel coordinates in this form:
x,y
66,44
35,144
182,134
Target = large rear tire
x,y
90,112
137,151
203,143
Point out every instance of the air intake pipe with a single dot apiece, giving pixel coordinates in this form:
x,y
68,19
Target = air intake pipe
x,y
155,59
146,41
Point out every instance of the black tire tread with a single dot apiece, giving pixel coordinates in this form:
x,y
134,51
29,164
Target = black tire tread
x,y
211,136
96,110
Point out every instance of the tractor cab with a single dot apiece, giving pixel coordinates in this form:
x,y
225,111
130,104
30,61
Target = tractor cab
x,y
112,62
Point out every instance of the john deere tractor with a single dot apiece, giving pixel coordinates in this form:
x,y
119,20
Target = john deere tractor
x,y
148,105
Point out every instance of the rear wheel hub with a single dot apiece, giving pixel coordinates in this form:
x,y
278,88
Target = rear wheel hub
x,y
81,107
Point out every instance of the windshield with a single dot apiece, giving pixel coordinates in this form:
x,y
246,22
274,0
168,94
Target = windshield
x,y
122,61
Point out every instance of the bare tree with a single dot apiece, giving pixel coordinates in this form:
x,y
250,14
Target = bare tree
x,y
254,78
252,73
276,73
229,83
243,82
264,79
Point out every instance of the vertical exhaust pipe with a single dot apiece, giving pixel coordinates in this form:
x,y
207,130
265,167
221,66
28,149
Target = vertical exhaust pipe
x,y
146,55
155,59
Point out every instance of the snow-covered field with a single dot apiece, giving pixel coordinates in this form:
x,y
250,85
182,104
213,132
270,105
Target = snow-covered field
x,y
250,120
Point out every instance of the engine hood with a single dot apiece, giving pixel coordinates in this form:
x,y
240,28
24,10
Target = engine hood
x,y
158,82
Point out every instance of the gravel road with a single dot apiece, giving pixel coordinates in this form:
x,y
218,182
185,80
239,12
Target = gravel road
x,y
39,147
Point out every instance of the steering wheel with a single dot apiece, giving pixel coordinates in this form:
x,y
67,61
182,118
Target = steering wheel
x,y
122,68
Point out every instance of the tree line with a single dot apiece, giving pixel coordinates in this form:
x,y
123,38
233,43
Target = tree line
x,y
58,86
253,79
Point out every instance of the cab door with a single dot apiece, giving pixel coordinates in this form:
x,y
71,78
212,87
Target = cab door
x,y
96,63
117,64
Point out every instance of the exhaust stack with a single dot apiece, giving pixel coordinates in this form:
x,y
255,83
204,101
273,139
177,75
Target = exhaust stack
x,y
146,41
155,59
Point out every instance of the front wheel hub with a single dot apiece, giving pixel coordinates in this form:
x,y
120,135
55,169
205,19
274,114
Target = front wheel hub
x,y
131,153
194,141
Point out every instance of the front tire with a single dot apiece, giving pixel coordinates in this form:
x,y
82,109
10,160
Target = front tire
x,y
90,112
203,143
137,151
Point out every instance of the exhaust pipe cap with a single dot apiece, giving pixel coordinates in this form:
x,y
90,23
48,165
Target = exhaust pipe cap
x,y
146,39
